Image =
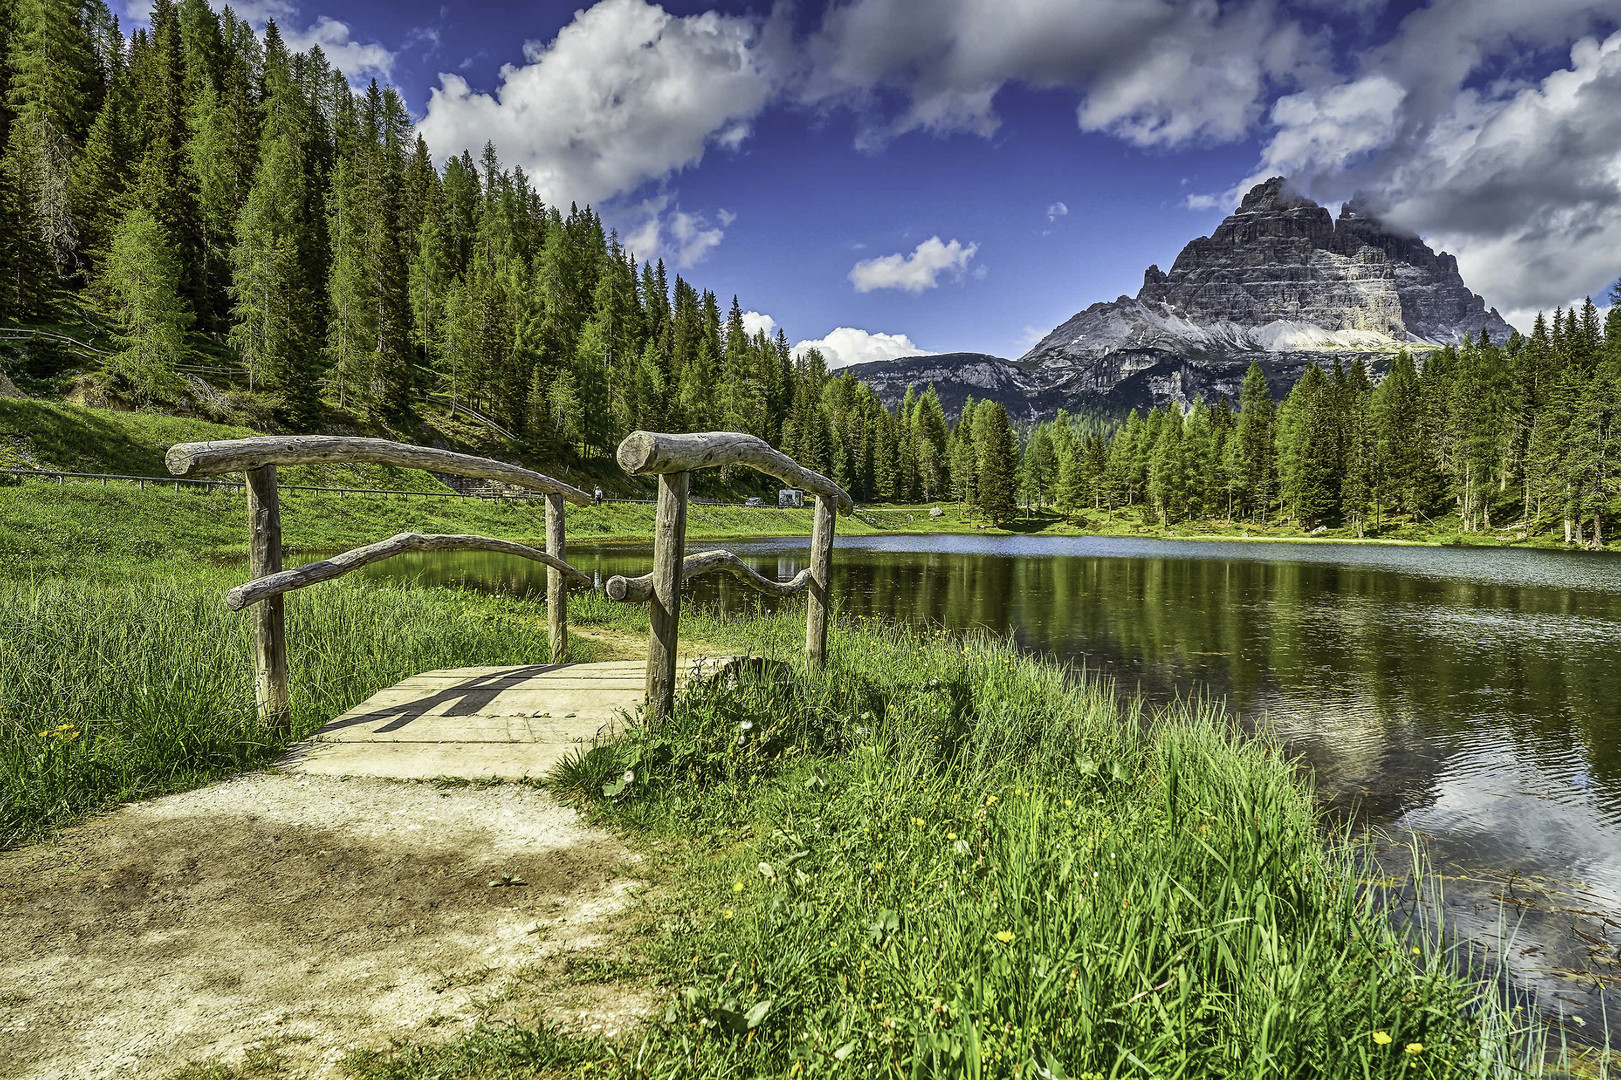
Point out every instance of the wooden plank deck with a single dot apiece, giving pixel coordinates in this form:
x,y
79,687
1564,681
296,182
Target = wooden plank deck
x,y
484,722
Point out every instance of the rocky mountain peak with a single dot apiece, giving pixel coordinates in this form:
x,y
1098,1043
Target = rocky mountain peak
x,y
1280,258
1281,281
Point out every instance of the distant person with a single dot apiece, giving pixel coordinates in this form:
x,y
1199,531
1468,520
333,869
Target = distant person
x,y
598,494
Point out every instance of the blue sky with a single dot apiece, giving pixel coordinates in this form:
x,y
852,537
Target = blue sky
x,y
894,176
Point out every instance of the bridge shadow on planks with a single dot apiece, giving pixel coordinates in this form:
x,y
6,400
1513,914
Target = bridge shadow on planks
x,y
469,698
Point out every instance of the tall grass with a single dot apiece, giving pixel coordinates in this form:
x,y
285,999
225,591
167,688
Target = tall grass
x,y
111,692
942,858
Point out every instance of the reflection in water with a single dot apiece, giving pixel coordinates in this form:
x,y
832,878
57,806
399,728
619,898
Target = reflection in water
x,y
1471,696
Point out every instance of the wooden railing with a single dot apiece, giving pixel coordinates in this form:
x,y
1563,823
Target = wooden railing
x,y
257,459
673,458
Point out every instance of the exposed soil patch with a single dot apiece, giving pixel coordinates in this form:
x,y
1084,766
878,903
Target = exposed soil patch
x,y
308,915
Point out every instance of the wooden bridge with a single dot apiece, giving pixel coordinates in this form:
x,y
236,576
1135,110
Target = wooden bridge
x,y
507,721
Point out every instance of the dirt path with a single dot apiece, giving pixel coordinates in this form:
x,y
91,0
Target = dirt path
x,y
306,916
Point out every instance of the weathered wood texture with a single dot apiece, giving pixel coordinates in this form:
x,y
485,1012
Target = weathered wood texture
x,y
556,587
237,455
821,572
669,547
270,620
639,590
271,587
644,452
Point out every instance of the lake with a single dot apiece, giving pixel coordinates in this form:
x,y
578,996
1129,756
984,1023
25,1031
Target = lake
x,y
1469,696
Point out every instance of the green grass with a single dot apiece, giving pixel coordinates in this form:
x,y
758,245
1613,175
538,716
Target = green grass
x,y
944,858
113,691
88,529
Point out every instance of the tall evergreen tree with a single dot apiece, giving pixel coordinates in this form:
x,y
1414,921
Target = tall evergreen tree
x,y
140,295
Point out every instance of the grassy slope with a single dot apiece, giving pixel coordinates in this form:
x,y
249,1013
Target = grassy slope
x,y
90,529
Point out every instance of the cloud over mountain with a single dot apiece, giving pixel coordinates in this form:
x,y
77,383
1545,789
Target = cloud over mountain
x,y
847,345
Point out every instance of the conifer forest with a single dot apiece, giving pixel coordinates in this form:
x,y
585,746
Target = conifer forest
x,y
218,211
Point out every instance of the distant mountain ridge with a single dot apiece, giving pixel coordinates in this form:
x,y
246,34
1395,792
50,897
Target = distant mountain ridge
x,y
1280,282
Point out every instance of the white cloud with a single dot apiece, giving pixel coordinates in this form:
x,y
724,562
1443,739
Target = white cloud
x,y
754,322
846,345
359,61
624,94
1056,211
656,230
726,218
1522,181
915,272
1153,72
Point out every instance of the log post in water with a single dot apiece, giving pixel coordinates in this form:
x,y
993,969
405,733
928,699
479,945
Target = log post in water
x,y
269,619
669,548
556,587
821,572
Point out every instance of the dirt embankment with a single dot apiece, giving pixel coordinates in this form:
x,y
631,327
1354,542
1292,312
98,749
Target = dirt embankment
x,y
304,916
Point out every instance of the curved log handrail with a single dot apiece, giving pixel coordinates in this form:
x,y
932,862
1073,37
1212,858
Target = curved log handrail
x,y
644,452
639,590
264,588
241,455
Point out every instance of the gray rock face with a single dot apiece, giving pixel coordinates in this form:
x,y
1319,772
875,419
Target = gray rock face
x,y
1280,282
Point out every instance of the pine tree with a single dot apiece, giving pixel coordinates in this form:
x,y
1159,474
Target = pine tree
x,y
1359,485
51,62
273,291
1253,458
102,174
997,460
139,293
1398,421
1168,468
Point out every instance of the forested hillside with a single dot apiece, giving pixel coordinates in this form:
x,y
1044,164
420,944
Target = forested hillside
x,y
225,226
215,224
1522,436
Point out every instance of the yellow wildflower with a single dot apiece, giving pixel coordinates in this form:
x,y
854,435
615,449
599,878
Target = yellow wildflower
x,y
737,886
1382,1038
1415,1048
1004,936
727,914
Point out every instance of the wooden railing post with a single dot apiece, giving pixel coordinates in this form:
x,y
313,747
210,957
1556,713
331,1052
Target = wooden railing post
x,y
669,550
821,568
269,618
556,587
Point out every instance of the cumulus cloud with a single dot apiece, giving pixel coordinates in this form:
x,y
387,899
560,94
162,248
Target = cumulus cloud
x,y
624,94
916,272
847,345
358,60
1153,72
656,229
754,322
1521,179
1056,211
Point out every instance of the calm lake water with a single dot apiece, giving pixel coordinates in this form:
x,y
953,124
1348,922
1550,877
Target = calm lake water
x,y
1469,696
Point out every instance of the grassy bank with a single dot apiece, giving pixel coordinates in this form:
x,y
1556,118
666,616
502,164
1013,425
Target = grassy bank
x,y
1444,531
117,691
87,528
943,858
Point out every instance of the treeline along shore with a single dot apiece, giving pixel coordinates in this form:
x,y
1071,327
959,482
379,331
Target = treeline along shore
x,y
198,219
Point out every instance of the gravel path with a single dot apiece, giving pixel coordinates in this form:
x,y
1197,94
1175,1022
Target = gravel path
x,y
307,915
